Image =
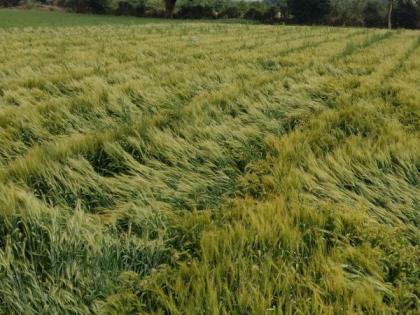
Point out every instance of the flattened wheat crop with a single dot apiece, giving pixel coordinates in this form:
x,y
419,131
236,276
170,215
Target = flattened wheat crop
x,y
209,169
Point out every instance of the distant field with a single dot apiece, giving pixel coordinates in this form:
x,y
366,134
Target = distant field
x,y
206,168
37,18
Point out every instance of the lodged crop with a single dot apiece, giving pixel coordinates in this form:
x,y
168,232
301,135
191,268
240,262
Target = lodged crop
x,y
204,168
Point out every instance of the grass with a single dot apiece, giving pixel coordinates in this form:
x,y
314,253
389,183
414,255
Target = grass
x,y
42,18
206,168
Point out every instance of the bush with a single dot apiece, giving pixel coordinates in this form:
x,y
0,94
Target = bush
x,y
9,3
93,6
347,12
195,12
127,7
406,15
79,6
154,8
270,15
103,6
309,11
372,15
254,14
231,13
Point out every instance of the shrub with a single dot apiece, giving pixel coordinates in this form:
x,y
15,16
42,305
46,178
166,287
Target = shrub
x,y
406,15
270,15
195,12
254,14
154,8
94,6
231,13
127,7
347,12
103,6
309,11
372,16
9,3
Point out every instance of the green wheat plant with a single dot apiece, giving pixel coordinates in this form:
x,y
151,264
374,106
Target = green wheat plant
x,y
259,169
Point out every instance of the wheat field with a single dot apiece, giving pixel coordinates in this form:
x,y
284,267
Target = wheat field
x,y
204,168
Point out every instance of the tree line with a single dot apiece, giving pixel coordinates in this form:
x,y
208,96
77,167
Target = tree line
x,y
369,13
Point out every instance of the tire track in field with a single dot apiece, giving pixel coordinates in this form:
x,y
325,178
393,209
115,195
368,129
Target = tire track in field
x,y
231,66
382,213
122,67
400,65
303,47
115,197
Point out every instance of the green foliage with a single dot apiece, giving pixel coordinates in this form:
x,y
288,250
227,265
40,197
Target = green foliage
x,y
231,13
133,7
9,3
95,6
199,11
347,12
254,14
406,14
372,15
369,13
309,11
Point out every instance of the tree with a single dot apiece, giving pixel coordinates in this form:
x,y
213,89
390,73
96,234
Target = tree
x,y
347,12
372,16
9,3
406,14
390,8
94,6
281,5
309,11
169,8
